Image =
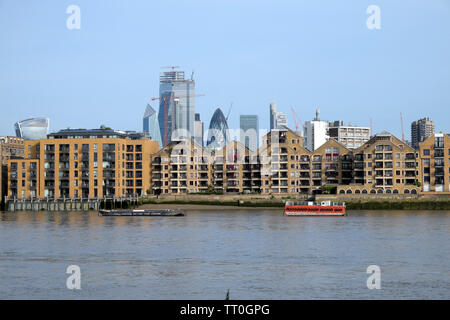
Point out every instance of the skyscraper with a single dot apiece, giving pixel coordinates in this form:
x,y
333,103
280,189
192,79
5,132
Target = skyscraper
x,y
273,112
198,130
315,133
249,131
151,125
278,120
32,129
352,137
218,135
177,106
420,131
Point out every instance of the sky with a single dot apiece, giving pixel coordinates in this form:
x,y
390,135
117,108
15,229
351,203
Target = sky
x,y
300,54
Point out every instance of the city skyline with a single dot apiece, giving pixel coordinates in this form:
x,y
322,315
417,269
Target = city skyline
x,y
69,74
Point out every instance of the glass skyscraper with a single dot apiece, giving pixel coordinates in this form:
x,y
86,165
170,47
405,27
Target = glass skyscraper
x,y
177,106
249,131
32,129
218,135
151,125
278,120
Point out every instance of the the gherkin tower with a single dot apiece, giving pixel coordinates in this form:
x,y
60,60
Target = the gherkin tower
x,y
218,135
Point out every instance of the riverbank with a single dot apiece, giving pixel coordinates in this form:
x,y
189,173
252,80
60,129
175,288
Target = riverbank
x,y
200,207
219,203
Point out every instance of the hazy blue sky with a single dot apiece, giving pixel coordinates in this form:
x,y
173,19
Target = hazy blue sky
x,y
305,54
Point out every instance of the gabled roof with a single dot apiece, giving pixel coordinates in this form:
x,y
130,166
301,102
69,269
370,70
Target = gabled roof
x,y
331,141
383,134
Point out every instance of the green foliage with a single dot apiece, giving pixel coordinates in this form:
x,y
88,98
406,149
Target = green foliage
x,y
329,189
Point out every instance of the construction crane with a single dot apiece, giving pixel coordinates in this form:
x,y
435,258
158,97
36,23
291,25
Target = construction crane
x,y
167,98
403,131
170,67
229,111
371,128
297,120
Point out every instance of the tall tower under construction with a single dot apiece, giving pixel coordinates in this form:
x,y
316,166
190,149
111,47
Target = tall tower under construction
x,y
177,106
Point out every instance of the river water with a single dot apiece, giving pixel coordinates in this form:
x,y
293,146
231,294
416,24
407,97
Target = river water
x,y
257,254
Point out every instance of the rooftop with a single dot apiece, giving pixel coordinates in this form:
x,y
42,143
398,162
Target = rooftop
x,y
94,133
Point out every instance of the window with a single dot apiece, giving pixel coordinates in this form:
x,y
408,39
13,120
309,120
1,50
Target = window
x,y
426,152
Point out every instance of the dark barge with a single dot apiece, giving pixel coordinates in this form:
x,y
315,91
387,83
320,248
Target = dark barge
x,y
142,213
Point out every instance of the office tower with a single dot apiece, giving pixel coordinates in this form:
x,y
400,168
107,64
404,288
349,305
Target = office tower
x,y
281,120
198,130
315,133
151,125
278,120
218,135
420,131
350,136
32,129
273,111
249,131
177,106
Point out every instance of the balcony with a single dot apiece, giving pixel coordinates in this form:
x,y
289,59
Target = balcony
x,y
108,174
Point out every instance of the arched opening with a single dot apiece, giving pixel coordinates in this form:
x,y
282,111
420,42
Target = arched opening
x,y
395,191
388,191
341,191
414,191
357,191
372,191
364,191
380,191
349,191
406,191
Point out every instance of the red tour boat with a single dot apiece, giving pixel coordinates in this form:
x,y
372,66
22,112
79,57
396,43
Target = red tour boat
x,y
312,208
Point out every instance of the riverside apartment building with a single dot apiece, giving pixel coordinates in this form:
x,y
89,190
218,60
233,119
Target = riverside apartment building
x,y
117,164
383,165
10,148
82,163
435,163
